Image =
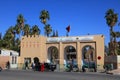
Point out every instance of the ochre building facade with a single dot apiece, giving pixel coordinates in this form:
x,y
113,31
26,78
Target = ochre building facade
x,y
60,50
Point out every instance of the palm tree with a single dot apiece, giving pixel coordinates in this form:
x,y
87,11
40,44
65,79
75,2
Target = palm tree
x,y
26,30
17,45
35,30
17,30
111,20
44,16
114,35
20,23
115,43
48,29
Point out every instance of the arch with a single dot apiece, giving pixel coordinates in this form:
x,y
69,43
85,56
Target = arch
x,y
88,53
70,55
53,54
88,56
69,44
48,45
36,60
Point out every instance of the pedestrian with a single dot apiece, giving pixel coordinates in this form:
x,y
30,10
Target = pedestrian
x,y
33,66
42,67
8,65
26,65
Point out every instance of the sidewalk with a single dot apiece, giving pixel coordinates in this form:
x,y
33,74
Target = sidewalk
x,y
114,72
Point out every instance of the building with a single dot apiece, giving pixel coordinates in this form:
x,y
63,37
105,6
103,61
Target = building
x,y
8,55
61,50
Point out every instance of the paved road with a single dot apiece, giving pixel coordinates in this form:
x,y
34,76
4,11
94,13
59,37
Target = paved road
x,y
31,75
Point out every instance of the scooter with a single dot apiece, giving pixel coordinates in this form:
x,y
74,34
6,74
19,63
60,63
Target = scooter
x,y
68,68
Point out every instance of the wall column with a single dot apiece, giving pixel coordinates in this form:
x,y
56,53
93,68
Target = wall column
x,y
79,54
61,51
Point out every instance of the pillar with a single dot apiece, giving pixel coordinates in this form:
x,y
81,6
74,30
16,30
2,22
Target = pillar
x,y
61,51
79,54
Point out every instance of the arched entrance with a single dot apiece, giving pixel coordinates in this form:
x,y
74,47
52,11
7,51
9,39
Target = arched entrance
x,y
53,56
88,56
36,60
70,55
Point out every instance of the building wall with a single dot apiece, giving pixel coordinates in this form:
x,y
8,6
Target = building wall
x,y
3,61
38,47
9,55
33,47
99,50
113,60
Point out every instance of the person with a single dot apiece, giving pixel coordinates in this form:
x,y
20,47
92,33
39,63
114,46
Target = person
x,y
8,65
33,66
42,67
26,65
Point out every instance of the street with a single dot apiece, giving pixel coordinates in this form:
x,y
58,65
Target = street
x,y
31,75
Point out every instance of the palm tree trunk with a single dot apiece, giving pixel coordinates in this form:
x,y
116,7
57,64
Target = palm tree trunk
x,y
111,42
47,34
111,38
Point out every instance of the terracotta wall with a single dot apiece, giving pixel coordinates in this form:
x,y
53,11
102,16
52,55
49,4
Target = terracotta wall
x,y
37,47
33,47
3,61
99,39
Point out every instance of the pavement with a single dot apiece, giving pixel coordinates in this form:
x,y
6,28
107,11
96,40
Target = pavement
x,y
114,72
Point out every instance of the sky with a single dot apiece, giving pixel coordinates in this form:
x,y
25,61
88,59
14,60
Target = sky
x,y
83,16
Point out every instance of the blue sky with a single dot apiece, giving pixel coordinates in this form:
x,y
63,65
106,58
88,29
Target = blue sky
x,y
84,16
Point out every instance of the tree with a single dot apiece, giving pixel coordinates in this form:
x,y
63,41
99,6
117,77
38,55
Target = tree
x,y
118,48
53,34
57,33
111,20
26,30
17,30
20,23
44,16
9,38
35,30
48,29
0,36
106,50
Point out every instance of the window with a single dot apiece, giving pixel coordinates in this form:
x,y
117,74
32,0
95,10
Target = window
x,y
14,60
10,53
27,59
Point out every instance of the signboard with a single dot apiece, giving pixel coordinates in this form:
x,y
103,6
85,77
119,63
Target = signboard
x,y
70,39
